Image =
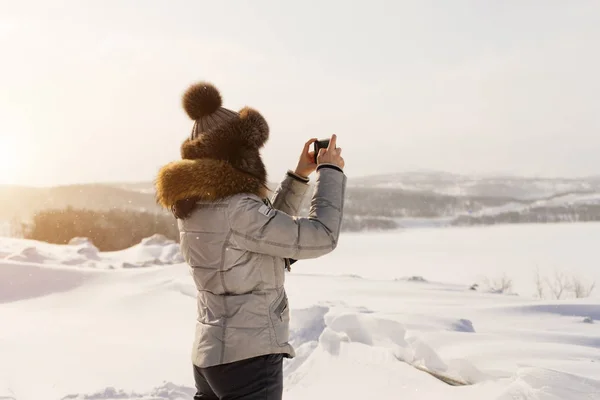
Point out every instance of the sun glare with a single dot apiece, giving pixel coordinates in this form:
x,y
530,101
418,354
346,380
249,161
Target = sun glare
x,y
9,160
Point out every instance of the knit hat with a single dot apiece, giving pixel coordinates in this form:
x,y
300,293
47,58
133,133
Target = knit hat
x,y
222,134
220,158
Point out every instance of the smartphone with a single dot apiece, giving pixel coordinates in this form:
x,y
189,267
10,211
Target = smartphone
x,y
320,144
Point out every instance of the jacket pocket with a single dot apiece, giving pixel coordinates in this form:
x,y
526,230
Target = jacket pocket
x,y
280,318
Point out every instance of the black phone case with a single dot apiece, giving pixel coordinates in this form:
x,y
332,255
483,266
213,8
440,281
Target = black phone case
x,y
320,144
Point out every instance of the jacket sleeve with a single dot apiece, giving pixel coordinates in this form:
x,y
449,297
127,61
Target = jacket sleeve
x,y
258,228
290,194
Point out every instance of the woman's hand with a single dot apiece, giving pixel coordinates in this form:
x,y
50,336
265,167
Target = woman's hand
x,y
332,154
306,163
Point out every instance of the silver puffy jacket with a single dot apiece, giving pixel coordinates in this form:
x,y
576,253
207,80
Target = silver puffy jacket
x,y
238,249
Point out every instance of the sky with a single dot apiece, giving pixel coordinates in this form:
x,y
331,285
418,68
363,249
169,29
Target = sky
x,y
91,90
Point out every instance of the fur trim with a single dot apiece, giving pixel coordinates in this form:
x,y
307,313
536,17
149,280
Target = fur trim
x,y
201,99
255,132
205,179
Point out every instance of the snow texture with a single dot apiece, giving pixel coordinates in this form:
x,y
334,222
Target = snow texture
x,y
364,320
152,251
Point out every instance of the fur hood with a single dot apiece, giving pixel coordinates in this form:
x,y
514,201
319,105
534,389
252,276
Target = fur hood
x,y
219,162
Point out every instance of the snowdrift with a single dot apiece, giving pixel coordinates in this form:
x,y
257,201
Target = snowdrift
x,y
155,250
20,280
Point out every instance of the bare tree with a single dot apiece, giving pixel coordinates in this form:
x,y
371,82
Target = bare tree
x,y
579,289
502,284
559,285
539,284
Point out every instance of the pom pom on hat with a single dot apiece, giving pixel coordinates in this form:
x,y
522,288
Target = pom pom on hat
x,y
201,99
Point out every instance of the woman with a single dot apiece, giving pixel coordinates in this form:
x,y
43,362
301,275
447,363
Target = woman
x,y
238,243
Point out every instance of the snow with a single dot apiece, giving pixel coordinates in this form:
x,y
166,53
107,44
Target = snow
x,y
569,199
156,250
558,201
364,319
5,228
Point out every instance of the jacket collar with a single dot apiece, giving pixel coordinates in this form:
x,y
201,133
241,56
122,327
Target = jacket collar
x,y
204,179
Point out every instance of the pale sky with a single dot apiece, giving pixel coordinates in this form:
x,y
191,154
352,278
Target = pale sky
x,y
90,90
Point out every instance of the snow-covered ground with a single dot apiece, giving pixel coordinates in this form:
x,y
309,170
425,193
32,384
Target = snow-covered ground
x,y
362,319
155,250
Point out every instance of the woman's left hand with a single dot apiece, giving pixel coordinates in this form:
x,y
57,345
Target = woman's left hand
x,y
306,163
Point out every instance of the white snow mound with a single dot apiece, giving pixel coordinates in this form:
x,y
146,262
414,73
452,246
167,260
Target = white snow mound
x,y
81,252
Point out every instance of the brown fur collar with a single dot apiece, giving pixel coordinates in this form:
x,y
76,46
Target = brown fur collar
x,y
203,179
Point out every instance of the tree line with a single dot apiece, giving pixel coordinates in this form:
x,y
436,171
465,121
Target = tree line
x,y
109,230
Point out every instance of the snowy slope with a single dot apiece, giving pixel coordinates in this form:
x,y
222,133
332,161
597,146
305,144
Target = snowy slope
x,y
487,186
77,332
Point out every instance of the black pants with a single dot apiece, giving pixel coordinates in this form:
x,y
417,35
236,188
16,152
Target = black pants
x,y
252,379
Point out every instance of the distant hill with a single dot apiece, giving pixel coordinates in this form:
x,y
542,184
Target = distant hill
x,y
517,188
374,202
22,202
439,198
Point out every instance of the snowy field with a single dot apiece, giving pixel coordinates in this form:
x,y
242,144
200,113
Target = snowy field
x,y
79,324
